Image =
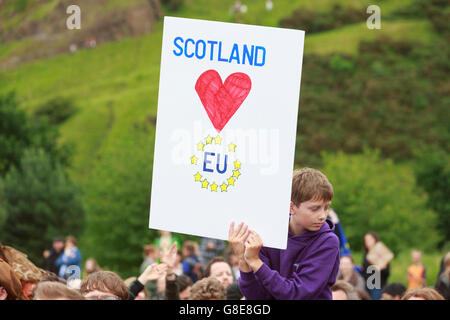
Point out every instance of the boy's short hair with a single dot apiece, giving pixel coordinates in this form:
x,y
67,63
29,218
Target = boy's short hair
x,y
308,184
208,289
105,281
51,290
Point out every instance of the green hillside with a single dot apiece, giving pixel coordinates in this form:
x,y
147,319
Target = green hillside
x,y
115,89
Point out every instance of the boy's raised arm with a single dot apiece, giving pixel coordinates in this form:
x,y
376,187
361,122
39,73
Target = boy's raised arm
x,y
311,278
248,284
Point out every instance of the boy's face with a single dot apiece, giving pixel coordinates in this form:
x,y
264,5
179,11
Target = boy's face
x,y
310,215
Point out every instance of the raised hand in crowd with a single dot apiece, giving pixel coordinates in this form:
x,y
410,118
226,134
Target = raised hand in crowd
x,y
153,272
169,258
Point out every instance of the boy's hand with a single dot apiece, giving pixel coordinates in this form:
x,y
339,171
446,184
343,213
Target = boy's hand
x,y
236,239
252,247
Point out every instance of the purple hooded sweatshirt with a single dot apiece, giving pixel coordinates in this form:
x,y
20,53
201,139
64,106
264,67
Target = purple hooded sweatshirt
x,y
306,270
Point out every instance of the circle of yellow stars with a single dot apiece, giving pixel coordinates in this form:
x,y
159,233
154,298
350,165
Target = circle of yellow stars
x,y
213,187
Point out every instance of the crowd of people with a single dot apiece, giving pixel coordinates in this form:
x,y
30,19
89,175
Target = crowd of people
x,y
317,264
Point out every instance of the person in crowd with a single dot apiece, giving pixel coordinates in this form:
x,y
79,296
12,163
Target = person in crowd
x,y
104,285
219,268
50,276
165,240
51,290
210,248
91,266
151,273
363,294
178,287
393,291
141,295
343,290
10,287
234,262
441,269
71,256
309,266
348,273
422,294
50,256
208,289
416,273
192,266
25,270
151,254
443,284
370,240
233,292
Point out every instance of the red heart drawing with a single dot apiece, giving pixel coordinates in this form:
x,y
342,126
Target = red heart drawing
x,y
221,101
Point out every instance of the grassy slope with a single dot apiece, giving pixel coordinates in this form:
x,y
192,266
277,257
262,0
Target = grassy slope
x,y
115,85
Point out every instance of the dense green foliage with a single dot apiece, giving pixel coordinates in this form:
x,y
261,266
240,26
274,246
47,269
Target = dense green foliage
x,y
433,175
390,97
19,132
40,203
377,195
311,21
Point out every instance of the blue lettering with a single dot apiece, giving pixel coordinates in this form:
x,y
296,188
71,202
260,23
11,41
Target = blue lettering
x,y
212,49
235,54
220,53
224,165
263,56
204,49
246,53
185,48
205,161
178,46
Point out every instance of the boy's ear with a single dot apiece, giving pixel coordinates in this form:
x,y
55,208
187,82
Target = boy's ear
x,y
291,208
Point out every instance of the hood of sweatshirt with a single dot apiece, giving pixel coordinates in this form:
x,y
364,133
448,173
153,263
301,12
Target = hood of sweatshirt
x,y
301,240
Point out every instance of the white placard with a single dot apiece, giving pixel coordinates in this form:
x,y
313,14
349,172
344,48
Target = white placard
x,y
226,128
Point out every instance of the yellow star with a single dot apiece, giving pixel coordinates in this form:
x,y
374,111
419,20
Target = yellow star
x,y
205,184
200,146
236,173
214,187
194,160
218,140
209,140
231,147
237,164
224,187
198,176
231,181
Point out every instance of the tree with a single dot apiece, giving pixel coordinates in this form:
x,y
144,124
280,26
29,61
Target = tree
x,y
377,195
433,175
19,132
40,203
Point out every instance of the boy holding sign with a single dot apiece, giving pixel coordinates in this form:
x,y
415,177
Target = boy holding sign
x,y
308,268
